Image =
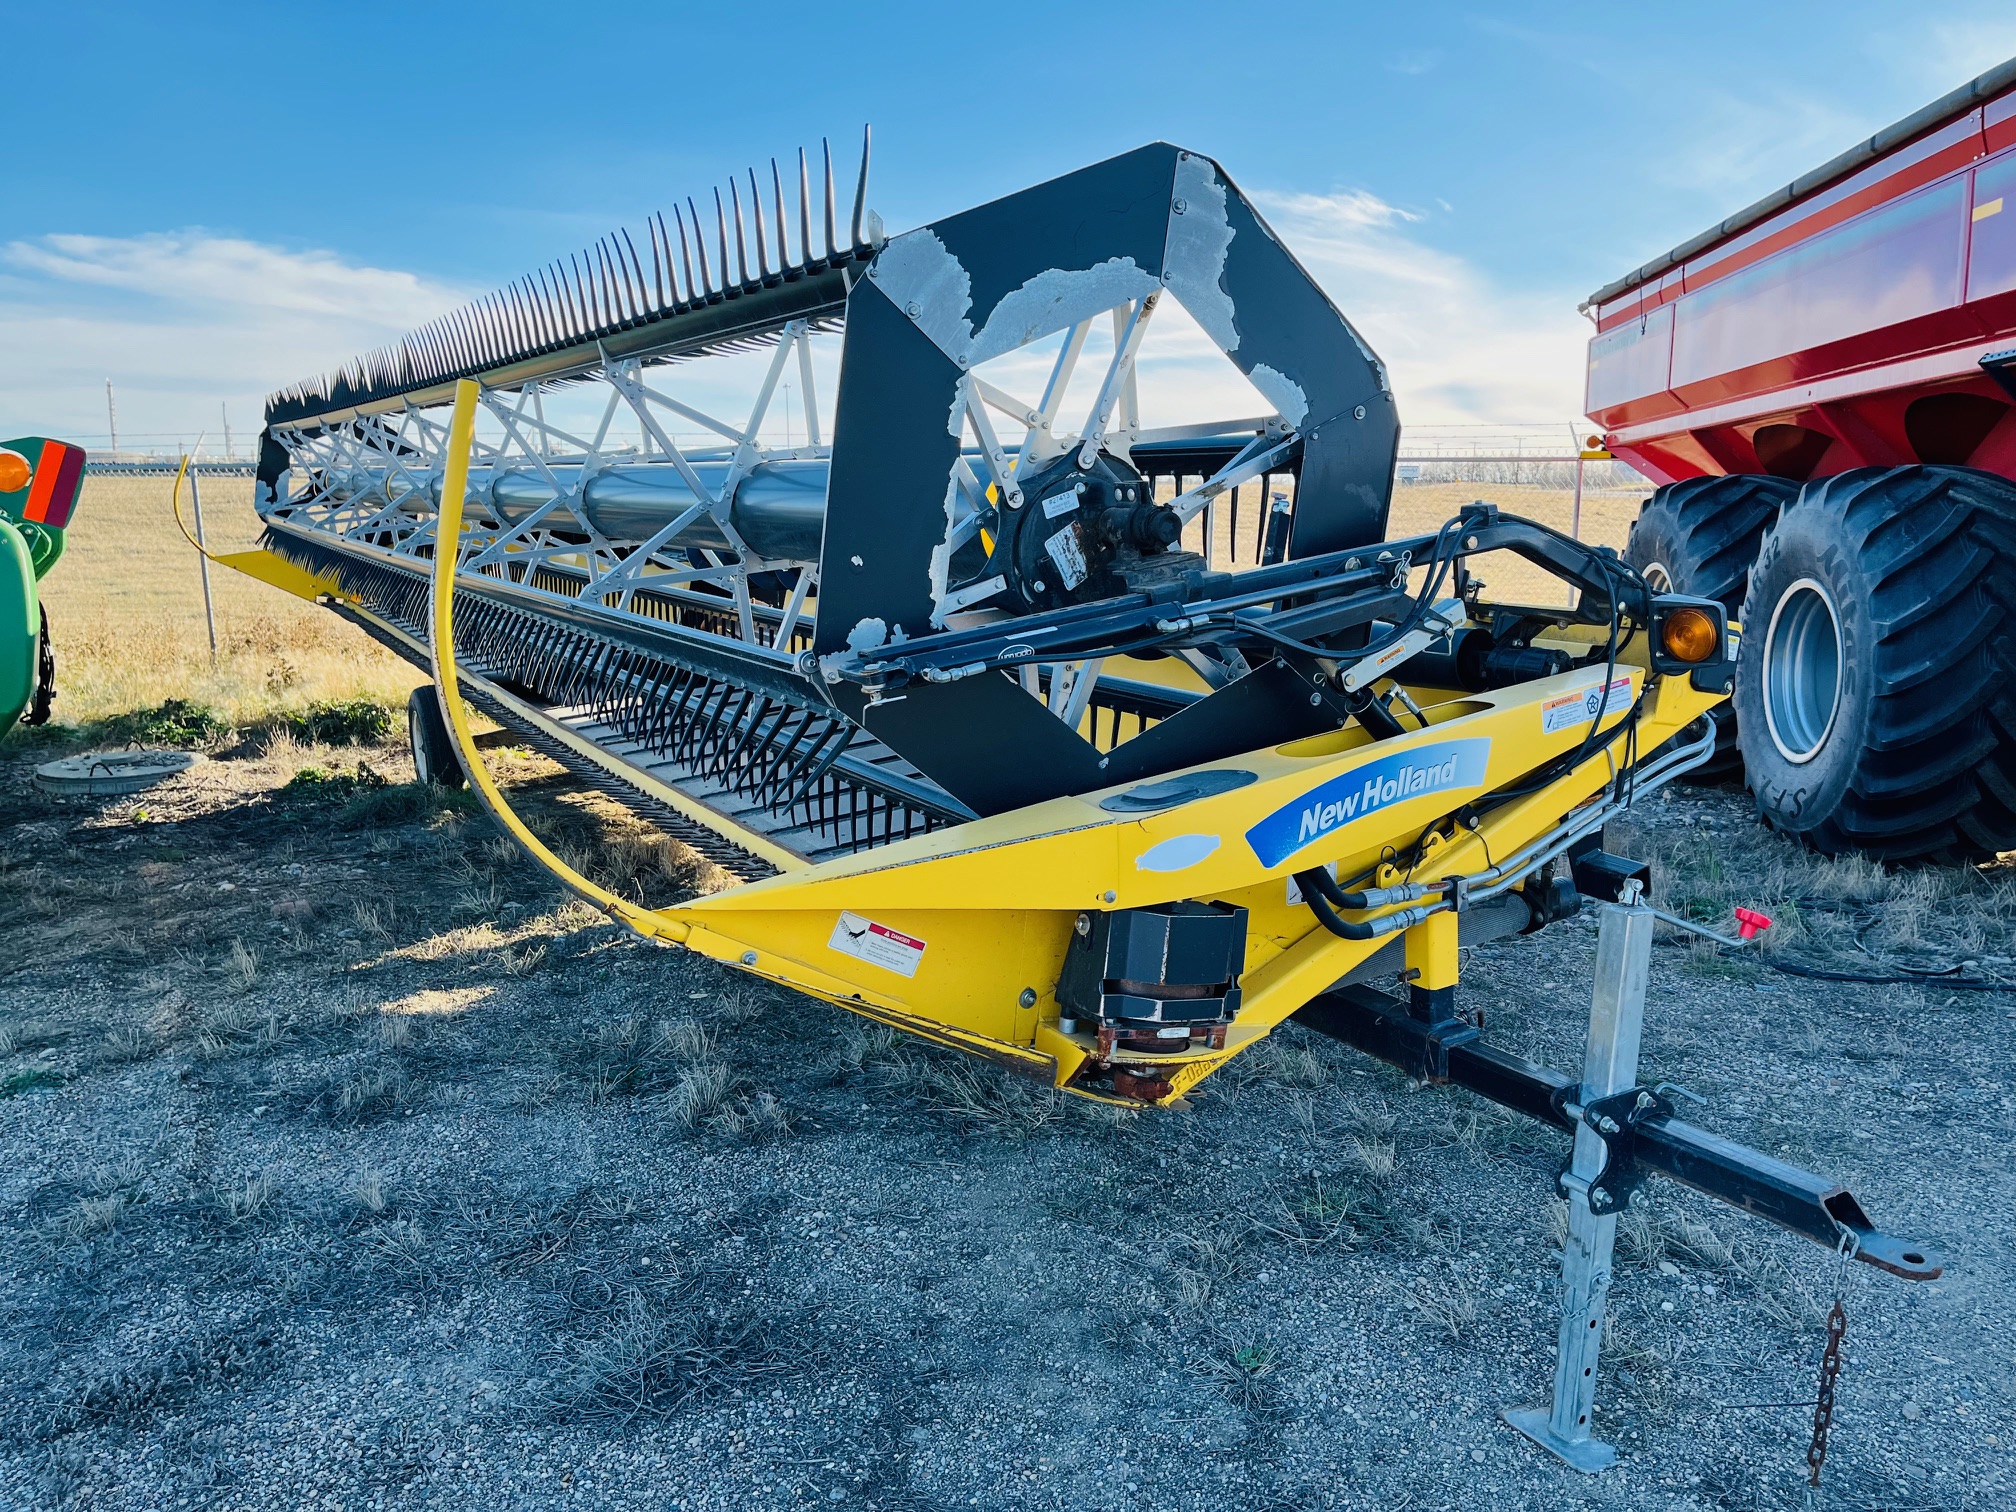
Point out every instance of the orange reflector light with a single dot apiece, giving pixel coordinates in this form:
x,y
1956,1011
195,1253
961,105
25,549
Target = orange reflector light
x,y
1689,635
14,471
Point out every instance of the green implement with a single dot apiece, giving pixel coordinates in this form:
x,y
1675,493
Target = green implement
x,y
39,482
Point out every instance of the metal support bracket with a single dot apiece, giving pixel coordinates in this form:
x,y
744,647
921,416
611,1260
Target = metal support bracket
x,y
1609,1067
1616,1120
1418,1039
1623,1133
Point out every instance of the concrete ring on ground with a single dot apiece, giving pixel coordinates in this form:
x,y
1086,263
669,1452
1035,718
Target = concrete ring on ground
x,y
106,774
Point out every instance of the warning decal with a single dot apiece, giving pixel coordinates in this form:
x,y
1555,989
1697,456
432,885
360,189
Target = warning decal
x,y
877,944
1582,707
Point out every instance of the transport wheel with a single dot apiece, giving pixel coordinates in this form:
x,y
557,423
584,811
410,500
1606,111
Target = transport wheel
x,y
434,756
1700,536
1876,684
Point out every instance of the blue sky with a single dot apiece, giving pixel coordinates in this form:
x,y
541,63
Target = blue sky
x,y
205,201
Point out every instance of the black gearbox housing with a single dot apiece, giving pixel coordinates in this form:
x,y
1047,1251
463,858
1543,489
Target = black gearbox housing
x,y
1168,963
1086,533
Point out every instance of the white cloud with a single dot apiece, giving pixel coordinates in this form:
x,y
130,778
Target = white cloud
x,y
1948,53
1736,147
1461,348
182,322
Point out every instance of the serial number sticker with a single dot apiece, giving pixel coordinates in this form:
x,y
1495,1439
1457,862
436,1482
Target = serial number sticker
x,y
1059,503
1064,551
1580,708
877,944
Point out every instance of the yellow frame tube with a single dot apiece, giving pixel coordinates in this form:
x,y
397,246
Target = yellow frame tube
x,y
447,686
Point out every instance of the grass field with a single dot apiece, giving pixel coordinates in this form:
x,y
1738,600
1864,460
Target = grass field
x,y
126,615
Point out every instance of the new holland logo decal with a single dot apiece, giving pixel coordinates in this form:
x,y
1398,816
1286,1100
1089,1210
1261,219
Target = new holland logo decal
x,y
1448,766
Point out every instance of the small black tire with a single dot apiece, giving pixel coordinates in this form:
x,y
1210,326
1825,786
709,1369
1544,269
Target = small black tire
x,y
1876,683
435,758
1700,536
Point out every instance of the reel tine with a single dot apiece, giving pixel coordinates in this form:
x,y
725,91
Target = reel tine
x,y
721,227
507,317
832,251
741,250
657,267
612,284
528,331
608,311
605,287
612,307
762,250
551,301
612,294
672,269
804,214
783,241
861,192
694,292
641,289
535,305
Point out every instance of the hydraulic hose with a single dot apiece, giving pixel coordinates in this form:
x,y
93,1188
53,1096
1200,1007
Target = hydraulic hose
x,y
1324,897
175,505
447,686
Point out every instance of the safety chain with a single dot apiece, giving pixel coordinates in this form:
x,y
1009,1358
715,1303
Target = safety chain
x,y
1823,1409
1830,1373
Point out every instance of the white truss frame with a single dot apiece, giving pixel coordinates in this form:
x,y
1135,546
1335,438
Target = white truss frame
x,y
373,482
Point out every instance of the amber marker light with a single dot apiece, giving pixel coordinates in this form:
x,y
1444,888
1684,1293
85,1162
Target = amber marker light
x,y
1689,635
14,471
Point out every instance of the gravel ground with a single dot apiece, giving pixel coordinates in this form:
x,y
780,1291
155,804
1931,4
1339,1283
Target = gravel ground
x,y
347,1166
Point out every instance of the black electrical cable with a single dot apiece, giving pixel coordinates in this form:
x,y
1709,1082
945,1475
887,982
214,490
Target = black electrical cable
x,y
1821,974
1596,740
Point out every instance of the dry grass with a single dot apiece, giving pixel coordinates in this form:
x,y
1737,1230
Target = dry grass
x,y
126,614
249,1198
1446,1305
1848,913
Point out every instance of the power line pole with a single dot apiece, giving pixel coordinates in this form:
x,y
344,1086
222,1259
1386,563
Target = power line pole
x,y
111,416
225,410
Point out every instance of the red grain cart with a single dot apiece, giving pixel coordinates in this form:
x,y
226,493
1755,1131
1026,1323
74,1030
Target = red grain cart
x,y
1822,387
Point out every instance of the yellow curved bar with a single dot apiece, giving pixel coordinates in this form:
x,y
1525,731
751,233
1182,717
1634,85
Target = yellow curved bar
x,y
447,686
175,503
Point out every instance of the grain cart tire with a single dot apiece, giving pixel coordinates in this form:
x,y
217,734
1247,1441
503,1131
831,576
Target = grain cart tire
x,y
434,756
1876,686
1700,536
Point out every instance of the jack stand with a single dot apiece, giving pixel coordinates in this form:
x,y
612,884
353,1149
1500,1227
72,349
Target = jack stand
x,y
1610,1066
